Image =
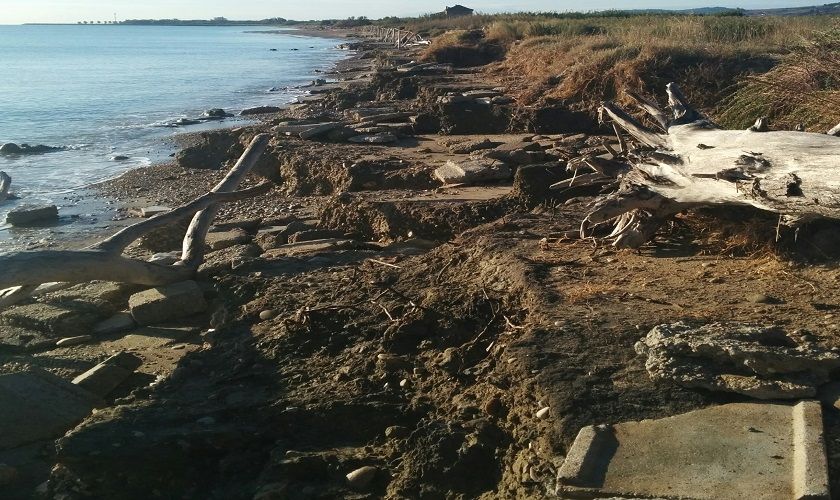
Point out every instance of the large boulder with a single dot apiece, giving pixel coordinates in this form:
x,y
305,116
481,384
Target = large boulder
x,y
759,362
210,151
165,303
11,148
31,215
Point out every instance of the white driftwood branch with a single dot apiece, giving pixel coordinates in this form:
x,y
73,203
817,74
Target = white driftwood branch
x,y
697,164
24,272
5,182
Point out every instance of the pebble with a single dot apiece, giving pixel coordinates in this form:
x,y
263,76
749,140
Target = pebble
x,y
404,383
71,341
360,478
268,314
543,414
761,298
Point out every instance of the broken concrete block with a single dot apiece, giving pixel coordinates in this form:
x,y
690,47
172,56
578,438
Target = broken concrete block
x,y
119,322
315,234
311,247
468,147
473,171
17,339
320,129
38,405
223,239
161,304
734,451
48,318
759,362
31,215
107,375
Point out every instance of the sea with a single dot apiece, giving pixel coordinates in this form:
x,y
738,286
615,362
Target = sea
x,y
100,92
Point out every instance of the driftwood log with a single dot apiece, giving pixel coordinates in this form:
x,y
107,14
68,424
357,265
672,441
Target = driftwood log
x,y
691,162
24,272
5,183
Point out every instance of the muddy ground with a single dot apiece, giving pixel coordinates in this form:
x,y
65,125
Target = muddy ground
x,y
427,346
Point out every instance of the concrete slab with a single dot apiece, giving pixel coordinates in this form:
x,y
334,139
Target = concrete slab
x,y
57,320
219,240
734,451
38,405
107,375
161,304
473,171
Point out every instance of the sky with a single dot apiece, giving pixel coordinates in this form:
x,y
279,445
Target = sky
x,y
23,11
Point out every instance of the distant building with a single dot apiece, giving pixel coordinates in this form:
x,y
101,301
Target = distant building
x,y
458,11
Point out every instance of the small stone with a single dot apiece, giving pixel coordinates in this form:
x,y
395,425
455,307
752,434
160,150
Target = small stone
x,y
494,406
390,362
404,383
543,414
119,322
71,341
361,478
761,298
396,432
206,421
268,314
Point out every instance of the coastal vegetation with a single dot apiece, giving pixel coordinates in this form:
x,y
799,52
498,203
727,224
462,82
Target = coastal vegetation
x,y
735,67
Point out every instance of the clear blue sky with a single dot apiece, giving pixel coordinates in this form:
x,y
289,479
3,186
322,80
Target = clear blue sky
x,y
21,11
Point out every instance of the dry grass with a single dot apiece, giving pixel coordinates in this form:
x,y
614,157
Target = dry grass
x,y
585,60
804,89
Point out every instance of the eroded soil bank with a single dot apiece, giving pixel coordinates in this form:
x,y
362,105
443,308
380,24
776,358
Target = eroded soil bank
x,y
453,339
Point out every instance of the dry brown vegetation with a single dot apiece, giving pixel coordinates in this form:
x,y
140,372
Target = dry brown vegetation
x,y
735,68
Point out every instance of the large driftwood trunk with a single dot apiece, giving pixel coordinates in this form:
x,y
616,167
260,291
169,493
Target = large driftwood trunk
x,y
23,272
694,163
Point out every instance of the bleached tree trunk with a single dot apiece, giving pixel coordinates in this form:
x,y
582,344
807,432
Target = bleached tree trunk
x,y
5,183
695,164
22,272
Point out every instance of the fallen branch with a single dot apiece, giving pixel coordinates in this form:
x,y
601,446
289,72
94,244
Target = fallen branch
x,y
697,164
24,272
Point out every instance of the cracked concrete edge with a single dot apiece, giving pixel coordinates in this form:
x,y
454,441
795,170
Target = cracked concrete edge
x,y
584,451
810,467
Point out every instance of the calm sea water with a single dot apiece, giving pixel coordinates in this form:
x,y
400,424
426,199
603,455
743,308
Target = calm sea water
x,y
103,91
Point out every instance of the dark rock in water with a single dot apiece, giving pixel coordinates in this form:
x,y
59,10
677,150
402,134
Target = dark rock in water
x,y
210,151
272,50
216,113
32,215
120,158
11,148
180,122
260,110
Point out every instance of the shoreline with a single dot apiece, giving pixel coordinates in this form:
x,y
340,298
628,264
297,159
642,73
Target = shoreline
x,y
90,205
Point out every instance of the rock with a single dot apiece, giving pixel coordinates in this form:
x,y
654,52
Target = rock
x,y
260,110
268,314
455,99
494,407
730,451
71,341
315,234
219,240
38,405
761,298
107,375
396,432
183,122
167,302
449,360
120,158
55,319
759,362
381,138
117,323
226,259
8,474
11,148
425,123
151,211
30,215
467,147
543,413
472,171
502,100
391,362
216,113
361,478
319,129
